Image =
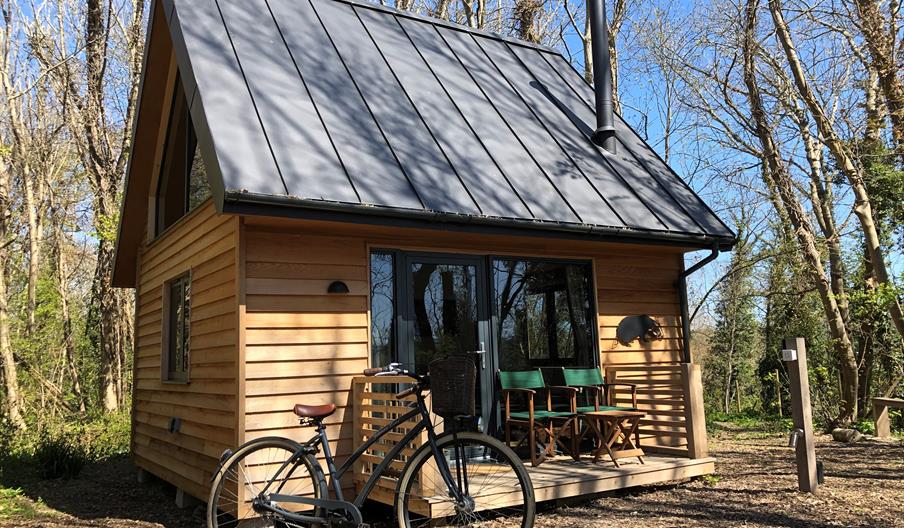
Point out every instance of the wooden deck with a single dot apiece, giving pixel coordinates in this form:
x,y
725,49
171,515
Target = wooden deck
x,y
564,478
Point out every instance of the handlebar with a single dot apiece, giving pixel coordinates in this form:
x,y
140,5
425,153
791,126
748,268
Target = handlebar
x,y
395,369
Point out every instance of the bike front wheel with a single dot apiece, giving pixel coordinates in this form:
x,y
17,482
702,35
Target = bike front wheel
x,y
493,480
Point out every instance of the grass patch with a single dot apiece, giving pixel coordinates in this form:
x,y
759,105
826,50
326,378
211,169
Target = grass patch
x,y
15,505
748,424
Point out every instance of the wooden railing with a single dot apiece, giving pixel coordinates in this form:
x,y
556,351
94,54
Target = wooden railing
x,y
375,406
672,397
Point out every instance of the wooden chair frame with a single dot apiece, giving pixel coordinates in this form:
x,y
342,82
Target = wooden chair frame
x,y
542,426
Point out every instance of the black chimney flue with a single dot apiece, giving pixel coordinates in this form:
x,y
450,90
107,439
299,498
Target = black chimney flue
x,y
604,135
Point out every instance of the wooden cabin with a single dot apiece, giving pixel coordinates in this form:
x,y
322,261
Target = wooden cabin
x,y
320,186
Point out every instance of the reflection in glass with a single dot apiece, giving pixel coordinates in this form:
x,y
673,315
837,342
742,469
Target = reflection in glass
x,y
444,311
382,309
544,313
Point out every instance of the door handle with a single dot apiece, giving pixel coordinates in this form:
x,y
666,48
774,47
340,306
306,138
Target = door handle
x,y
483,356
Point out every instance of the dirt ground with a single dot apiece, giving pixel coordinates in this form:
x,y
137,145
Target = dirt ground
x,y
754,485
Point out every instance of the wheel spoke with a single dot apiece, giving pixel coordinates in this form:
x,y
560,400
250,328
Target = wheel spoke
x,y
247,475
496,482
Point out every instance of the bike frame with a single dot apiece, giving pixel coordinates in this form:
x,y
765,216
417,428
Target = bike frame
x,y
353,508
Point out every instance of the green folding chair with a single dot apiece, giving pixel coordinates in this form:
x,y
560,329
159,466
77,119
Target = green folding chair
x,y
541,424
601,393
602,397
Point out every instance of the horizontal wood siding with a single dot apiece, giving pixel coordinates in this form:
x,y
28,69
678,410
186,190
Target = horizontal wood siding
x,y
303,345
204,243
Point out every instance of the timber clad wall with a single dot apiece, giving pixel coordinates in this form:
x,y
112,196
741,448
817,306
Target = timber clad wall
x,y
640,281
303,345
206,244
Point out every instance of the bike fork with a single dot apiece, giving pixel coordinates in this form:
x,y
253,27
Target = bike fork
x,y
445,471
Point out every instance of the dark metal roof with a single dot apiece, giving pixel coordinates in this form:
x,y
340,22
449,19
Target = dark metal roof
x,y
334,105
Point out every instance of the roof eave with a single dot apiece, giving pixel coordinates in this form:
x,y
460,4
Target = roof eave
x,y
245,203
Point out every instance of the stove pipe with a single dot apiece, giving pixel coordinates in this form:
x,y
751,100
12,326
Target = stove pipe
x,y
604,135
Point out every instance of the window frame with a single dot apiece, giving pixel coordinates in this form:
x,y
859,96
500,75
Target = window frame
x,y
167,375
596,350
400,292
178,115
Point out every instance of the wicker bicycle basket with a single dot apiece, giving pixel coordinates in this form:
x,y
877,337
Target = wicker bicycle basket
x,y
453,386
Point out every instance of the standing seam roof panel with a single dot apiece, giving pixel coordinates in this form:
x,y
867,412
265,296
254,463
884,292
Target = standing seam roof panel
x,y
290,119
489,118
568,175
634,207
645,190
356,106
650,163
361,146
242,151
420,156
491,191
460,90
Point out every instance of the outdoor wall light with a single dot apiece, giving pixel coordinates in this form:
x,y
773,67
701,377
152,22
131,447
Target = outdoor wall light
x,y
337,287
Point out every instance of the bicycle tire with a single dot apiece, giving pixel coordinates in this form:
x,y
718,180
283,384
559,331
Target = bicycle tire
x,y
519,476
217,518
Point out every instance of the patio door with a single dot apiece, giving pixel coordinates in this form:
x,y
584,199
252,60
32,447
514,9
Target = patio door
x,y
447,314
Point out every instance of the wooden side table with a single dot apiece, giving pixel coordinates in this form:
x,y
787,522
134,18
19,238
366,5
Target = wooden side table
x,y
615,432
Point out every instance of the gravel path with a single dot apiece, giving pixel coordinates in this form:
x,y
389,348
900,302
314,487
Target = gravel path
x,y
755,485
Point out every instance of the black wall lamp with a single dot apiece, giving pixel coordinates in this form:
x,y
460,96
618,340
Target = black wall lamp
x,y
337,287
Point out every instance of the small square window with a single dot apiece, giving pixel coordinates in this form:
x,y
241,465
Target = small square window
x,y
176,329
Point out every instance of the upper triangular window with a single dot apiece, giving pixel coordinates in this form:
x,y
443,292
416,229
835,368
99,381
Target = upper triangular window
x,y
182,185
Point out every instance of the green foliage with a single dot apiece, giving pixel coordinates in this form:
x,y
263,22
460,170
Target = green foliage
x,y
106,227
885,183
60,449
730,379
865,426
748,421
13,504
59,455
107,436
710,480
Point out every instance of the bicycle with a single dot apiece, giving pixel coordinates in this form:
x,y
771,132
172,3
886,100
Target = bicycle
x,y
280,482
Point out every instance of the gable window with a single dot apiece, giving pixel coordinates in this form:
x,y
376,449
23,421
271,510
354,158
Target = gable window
x,y
176,328
182,185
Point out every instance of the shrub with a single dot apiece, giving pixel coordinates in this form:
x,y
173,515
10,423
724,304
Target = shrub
x,y
865,426
59,456
106,436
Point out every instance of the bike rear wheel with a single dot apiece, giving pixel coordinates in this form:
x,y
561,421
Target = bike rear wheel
x,y
245,474
496,482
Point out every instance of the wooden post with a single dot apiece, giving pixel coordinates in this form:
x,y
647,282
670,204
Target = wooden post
x,y
795,355
880,416
694,414
184,500
778,392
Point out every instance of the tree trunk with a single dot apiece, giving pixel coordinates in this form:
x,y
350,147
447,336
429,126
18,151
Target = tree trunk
x,y
845,163
880,41
525,14
13,400
34,250
63,292
776,171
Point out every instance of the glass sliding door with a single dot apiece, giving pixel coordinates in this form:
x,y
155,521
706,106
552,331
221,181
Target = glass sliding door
x,y
544,313
430,306
447,315
516,313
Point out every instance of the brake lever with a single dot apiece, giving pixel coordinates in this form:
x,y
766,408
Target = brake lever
x,y
394,370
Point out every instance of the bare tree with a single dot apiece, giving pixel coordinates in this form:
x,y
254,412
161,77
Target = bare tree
x,y
843,157
102,146
880,35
